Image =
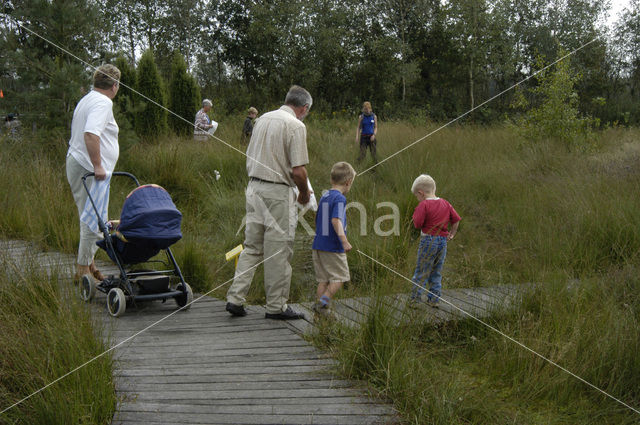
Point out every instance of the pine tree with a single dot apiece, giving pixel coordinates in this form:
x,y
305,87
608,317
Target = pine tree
x,y
124,104
150,117
183,97
557,116
126,98
40,81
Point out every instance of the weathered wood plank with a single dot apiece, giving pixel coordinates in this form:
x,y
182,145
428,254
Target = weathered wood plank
x,y
287,409
212,418
198,377
179,370
274,395
137,387
258,359
167,356
219,329
196,345
283,401
247,338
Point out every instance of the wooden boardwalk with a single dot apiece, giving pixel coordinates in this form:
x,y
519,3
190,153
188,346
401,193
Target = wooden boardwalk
x,y
203,366
456,303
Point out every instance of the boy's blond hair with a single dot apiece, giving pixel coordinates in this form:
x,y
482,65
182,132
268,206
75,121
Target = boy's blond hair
x,y
252,110
342,172
425,183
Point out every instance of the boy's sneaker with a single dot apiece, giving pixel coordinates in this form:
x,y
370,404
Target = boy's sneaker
x,y
321,309
433,302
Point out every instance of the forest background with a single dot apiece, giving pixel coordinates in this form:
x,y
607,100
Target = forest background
x,y
428,59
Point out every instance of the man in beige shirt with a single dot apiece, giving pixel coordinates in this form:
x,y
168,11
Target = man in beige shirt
x,y
276,159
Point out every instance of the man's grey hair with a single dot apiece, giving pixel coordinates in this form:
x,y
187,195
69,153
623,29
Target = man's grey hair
x,y
297,96
206,102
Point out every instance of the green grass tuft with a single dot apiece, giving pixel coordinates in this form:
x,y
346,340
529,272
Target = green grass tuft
x,y
45,332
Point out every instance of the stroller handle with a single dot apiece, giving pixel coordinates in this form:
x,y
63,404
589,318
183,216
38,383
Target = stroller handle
x,y
115,173
101,224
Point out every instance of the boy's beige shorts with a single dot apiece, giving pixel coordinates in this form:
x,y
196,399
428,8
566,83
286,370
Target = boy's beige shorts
x,y
330,266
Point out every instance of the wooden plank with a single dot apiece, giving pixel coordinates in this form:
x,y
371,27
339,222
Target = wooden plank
x,y
137,387
179,370
178,356
191,346
274,395
181,324
130,364
144,340
237,360
466,301
287,409
345,314
357,305
212,418
217,329
283,401
197,377
381,421
155,422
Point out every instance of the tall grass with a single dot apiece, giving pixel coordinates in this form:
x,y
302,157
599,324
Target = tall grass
x,y
524,208
462,372
35,196
45,332
531,213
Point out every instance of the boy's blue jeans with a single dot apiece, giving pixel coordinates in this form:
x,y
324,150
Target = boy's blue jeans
x,y
431,254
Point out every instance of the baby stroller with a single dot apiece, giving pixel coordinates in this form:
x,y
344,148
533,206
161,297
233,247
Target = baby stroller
x,y
149,223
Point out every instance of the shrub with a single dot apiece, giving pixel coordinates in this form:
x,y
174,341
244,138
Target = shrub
x,y
184,97
557,116
151,118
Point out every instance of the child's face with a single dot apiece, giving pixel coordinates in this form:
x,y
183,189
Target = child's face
x,y
252,114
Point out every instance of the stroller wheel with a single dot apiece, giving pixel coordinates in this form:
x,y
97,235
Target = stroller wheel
x,y
116,302
87,288
183,300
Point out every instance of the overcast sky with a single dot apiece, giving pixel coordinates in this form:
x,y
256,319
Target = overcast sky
x,y
616,8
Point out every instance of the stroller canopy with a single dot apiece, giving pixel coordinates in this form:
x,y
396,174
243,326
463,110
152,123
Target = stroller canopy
x,y
149,222
149,213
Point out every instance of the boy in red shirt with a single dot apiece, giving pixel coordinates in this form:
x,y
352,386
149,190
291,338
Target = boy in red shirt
x,y
432,216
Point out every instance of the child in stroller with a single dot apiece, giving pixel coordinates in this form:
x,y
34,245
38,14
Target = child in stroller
x,y
149,223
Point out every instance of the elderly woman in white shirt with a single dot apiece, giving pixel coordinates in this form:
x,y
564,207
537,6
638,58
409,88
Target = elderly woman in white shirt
x,y
93,147
203,124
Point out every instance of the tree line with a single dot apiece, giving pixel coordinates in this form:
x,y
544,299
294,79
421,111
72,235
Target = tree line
x,y
427,58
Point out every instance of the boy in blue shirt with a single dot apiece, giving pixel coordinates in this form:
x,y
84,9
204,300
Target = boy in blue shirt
x,y
331,244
